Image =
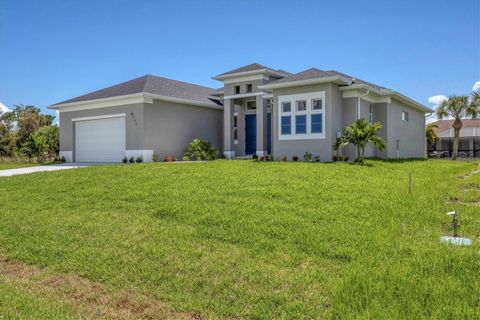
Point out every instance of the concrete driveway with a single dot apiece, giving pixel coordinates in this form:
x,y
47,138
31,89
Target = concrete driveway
x,y
50,167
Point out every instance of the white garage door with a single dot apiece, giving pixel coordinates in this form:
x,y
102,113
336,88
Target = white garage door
x,y
101,140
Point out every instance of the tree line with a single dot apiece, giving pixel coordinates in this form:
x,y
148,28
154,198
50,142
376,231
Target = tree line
x,y
25,132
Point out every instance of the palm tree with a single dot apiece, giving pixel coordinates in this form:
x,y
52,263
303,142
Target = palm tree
x,y
431,133
459,107
360,133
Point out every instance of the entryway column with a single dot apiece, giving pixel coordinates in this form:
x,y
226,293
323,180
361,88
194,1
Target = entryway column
x,y
261,127
228,112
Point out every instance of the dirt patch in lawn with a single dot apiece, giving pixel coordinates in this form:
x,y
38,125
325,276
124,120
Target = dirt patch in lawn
x,y
90,299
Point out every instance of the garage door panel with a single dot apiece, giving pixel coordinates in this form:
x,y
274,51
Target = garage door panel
x,y
101,140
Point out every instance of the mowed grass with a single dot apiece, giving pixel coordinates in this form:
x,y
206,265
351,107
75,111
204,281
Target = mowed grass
x,y
16,303
14,165
258,240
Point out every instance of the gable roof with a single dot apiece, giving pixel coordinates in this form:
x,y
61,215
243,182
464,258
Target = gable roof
x,y
153,85
250,69
346,82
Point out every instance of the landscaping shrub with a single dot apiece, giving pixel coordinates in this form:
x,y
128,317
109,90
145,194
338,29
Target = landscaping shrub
x,y
295,158
254,157
131,160
284,158
125,159
200,150
154,157
307,156
139,159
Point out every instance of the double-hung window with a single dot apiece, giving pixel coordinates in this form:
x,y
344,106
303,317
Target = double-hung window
x,y
301,116
286,118
301,124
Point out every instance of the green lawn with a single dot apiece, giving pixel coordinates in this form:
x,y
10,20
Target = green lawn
x,y
258,239
15,165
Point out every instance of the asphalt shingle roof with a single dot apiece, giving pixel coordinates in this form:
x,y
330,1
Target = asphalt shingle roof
x,y
154,85
315,73
250,67
312,73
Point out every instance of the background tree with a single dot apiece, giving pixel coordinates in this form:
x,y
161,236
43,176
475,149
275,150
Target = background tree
x,y
431,134
25,131
361,133
459,107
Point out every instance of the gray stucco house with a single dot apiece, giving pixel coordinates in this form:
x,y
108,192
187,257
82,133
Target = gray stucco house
x,y
259,111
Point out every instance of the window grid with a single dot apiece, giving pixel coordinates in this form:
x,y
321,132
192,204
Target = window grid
x,y
305,121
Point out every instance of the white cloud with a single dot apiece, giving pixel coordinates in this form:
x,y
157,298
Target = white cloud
x,y
436,100
3,108
476,86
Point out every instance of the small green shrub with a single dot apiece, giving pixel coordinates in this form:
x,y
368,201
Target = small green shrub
x,y
254,157
139,159
307,156
154,157
284,158
295,158
200,150
62,159
185,158
131,160
125,159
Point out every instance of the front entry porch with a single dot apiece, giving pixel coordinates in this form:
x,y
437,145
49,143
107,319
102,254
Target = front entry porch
x,y
247,127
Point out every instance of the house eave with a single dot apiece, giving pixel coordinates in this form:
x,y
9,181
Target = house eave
x,y
334,79
389,93
248,73
127,99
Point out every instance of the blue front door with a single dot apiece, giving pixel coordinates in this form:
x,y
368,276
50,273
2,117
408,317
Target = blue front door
x,y
250,134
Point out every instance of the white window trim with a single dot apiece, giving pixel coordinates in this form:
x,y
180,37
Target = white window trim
x,y
235,115
405,116
293,98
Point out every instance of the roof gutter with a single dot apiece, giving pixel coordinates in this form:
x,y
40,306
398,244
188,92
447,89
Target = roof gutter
x,y
336,79
390,93
127,99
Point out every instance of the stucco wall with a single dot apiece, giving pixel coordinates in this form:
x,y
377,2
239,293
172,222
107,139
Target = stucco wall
x,y
411,134
133,125
321,147
381,115
169,127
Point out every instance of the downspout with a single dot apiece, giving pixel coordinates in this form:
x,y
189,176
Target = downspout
x,y
358,102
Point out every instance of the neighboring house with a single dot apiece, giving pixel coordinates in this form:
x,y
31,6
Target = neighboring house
x,y
258,111
469,138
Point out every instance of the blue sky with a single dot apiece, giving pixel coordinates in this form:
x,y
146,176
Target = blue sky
x,y
54,50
